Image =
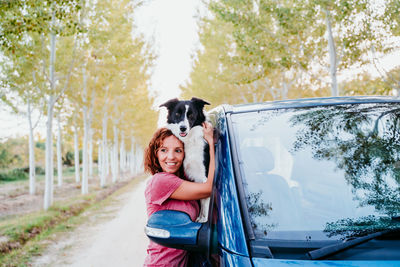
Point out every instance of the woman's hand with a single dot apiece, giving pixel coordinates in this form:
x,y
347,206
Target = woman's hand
x,y
208,132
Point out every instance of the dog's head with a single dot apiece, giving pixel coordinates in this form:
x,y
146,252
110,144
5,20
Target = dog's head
x,y
183,115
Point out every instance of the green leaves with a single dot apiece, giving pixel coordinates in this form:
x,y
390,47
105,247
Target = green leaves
x,y
32,16
286,43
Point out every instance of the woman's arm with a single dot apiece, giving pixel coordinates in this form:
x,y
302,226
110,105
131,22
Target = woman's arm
x,y
194,191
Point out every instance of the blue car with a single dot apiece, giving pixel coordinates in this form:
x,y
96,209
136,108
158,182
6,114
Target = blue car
x,y
309,182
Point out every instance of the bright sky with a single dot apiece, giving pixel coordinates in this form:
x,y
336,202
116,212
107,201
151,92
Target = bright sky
x,y
172,26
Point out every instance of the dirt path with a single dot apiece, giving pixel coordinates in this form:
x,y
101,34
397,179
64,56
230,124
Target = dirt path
x,y
113,236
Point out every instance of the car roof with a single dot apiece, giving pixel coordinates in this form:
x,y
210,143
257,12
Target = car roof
x,y
309,102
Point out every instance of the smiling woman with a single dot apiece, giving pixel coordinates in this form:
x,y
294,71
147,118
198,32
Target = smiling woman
x,y
169,190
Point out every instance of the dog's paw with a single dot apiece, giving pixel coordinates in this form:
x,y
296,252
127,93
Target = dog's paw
x,y
201,219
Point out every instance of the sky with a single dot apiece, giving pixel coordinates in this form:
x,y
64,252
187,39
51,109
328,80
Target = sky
x,y
173,27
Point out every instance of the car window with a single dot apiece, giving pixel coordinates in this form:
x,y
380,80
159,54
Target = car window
x,y
320,173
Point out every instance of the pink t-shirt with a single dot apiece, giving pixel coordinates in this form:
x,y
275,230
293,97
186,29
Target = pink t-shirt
x,y
158,190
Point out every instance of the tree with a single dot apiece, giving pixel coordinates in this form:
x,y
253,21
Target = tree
x,y
30,20
80,40
232,75
116,70
364,83
24,81
271,36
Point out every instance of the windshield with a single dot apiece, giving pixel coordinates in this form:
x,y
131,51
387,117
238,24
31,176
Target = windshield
x,y
320,173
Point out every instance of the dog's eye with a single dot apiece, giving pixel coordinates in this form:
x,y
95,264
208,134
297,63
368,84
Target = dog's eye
x,y
177,114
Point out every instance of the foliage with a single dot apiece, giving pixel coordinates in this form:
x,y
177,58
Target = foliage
x,y
120,61
20,18
264,50
365,84
13,175
41,145
13,153
116,67
7,157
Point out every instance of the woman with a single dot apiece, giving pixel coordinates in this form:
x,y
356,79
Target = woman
x,y
168,189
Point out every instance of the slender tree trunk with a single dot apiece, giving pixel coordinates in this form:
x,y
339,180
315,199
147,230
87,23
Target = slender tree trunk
x,y
90,152
132,157
48,191
76,153
115,167
332,56
108,158
112,163
99,160
122,161
90,132
32,166
104,150
85,189
49,169
59,151
139,159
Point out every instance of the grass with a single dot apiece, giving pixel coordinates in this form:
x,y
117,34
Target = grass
x,y
24,232
27,235
22,174
7,176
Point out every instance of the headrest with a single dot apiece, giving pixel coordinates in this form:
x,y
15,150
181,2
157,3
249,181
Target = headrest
x,y
257,159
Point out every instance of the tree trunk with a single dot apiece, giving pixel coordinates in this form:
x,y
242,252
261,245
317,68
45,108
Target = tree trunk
x,y
76,153
104,150
122,160
85,189
49,169
90,132
32,166
99,160
115,167
132,157
59,151
107,154
139,159
332,56
90,152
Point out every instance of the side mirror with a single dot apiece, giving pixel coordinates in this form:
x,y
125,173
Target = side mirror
x,y
175,229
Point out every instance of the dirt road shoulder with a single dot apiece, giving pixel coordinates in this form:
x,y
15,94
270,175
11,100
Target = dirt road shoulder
x,y
111,235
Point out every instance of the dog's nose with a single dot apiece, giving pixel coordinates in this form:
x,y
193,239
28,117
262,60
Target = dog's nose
x,y
182,128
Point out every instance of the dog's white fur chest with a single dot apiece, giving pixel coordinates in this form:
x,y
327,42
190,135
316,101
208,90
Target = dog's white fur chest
x,y
194,151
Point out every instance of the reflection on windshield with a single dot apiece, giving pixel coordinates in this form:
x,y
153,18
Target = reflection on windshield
x,y
321,172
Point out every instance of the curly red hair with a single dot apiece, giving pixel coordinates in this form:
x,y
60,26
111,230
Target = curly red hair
x,y
151,164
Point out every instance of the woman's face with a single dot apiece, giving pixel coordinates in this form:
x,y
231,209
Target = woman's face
x,y
170,155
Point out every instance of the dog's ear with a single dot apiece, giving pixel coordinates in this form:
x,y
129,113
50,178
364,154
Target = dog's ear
x,y
199,102
170,104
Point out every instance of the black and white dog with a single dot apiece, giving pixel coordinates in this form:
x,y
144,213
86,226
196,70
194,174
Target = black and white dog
x,y
184,119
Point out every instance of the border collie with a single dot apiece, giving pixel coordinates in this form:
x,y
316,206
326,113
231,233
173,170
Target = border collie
x,y
184,119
